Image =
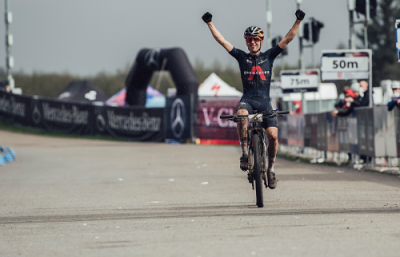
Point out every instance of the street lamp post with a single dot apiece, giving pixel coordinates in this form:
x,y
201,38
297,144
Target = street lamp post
x,y
300,31
301,56
9,43
269,23
366,23
352,40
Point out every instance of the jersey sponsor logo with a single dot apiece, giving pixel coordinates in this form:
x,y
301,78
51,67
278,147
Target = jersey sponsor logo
x,y
262,61
256,70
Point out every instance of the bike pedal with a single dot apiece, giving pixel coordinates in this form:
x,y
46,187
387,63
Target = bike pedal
x,y
250,177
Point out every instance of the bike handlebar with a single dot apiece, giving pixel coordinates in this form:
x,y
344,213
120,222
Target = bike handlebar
x,y
231,116
271,114
283,112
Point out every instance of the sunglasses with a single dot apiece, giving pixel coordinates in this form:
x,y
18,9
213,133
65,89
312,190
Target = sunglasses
x,y
250,39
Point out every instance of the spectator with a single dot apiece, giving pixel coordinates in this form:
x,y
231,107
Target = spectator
x,y
347,106
4,86
396,96
362,94
357,96
340,102
297,107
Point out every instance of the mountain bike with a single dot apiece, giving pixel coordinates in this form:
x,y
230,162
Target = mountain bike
x,y
257,149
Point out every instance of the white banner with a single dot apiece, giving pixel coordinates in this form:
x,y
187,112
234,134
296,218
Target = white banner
x,y
297,83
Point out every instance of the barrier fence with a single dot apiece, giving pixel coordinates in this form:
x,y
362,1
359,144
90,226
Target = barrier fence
x,y
372,132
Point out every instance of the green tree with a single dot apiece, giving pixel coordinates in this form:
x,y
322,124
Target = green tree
x,y
382,41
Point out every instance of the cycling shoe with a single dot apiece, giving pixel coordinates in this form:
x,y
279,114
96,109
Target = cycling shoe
x,y
244,162
271,180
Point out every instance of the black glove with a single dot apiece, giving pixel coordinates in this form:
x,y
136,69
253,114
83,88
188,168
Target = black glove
x,y
207,17
300,14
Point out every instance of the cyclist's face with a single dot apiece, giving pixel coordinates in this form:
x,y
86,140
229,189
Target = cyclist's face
x,y
254,44
396,90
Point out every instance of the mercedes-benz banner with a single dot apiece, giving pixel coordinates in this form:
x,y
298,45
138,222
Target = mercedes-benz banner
x,y
136,124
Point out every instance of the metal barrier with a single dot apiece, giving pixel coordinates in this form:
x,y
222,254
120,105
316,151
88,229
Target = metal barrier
x,y
396,117
310,130
372,132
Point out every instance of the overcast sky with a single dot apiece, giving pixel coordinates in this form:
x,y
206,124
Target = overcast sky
x,y
85,37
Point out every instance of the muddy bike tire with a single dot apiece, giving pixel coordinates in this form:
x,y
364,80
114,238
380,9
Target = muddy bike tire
x,y
258,169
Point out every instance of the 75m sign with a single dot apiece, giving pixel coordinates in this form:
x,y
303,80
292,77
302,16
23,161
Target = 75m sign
x,y
296,81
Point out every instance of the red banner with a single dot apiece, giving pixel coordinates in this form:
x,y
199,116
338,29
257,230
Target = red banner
x,y
210,128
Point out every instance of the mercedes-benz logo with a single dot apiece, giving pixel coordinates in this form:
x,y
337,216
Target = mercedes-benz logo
x,y
178,117
152,58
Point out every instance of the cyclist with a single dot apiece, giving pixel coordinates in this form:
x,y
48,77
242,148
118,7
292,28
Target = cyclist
x,y
256,69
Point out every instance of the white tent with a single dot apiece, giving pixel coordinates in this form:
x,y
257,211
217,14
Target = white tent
x,y
216,87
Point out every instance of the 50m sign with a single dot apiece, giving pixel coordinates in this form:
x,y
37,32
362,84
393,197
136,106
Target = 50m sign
x,y
345,64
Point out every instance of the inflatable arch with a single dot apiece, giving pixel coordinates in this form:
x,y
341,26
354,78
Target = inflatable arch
x,y
147,61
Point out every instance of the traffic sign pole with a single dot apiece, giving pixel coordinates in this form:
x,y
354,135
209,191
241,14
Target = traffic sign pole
x,y
397,26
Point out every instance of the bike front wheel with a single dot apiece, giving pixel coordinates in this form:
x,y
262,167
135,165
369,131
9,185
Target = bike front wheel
x,y
258,169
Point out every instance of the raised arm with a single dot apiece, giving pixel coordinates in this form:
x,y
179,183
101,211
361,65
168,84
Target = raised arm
x,y
207,17
293,31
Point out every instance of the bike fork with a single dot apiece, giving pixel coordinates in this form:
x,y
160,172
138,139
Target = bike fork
x,y
264,138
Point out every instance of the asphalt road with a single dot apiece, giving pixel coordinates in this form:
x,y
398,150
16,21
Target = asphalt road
x,y
75,197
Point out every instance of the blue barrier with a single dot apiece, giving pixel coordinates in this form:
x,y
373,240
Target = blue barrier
x,y
2,160
6,155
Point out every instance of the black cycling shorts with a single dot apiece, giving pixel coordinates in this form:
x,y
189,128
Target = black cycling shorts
x,y
260,104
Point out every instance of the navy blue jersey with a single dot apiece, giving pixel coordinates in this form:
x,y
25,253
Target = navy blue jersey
x,y
256,70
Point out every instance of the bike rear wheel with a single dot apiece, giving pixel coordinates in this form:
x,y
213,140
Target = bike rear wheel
x,y
258,169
